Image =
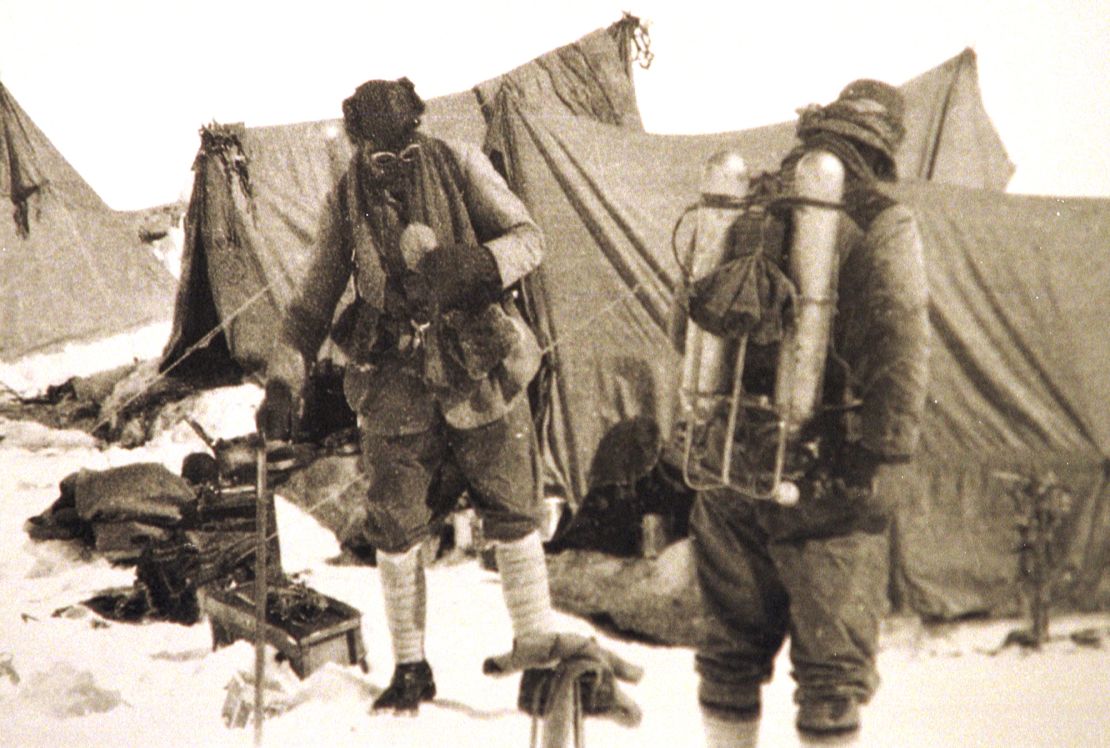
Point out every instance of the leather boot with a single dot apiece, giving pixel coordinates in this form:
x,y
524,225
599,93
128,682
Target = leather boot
x,y
412,683
828,717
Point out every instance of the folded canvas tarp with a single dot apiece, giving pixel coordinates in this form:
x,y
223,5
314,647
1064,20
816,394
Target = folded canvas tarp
x,y
71,268
1019,366
258,191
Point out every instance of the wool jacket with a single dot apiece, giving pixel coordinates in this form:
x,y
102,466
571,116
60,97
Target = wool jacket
x,y
881,330
455,191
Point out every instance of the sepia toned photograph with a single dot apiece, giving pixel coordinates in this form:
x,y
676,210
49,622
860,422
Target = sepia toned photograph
x,y
499,375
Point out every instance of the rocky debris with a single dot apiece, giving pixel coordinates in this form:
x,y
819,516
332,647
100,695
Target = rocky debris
x,y
655,599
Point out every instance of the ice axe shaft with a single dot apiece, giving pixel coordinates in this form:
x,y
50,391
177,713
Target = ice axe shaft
x,y
563,724
200,431
260,591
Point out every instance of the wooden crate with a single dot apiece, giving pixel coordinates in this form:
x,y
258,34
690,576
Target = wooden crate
x,y
335,635
223,528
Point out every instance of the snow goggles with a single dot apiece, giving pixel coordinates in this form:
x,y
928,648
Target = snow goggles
x,y
386,160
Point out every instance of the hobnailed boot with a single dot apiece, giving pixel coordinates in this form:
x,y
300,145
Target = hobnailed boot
x,y
412,683
828,720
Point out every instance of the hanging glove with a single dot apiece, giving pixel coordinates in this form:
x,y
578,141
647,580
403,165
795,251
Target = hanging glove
x,y
278,415
553,663
857,481
461,276
858,466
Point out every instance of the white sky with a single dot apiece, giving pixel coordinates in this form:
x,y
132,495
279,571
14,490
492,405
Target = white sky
x,y
122,86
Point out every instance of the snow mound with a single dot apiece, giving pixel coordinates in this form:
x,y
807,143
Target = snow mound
x,y
35,437
63,691
32,374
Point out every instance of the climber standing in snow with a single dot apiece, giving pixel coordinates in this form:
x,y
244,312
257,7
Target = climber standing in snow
x,y
440,359
816,571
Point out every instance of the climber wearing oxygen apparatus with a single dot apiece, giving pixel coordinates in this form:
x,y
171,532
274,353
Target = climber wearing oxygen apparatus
x,y
713,364
801,416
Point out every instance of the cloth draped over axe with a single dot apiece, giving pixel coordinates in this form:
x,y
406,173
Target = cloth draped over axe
x,y
552,663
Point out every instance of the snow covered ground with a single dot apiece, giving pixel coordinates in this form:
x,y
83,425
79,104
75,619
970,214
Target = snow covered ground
x,y
77,680
32,374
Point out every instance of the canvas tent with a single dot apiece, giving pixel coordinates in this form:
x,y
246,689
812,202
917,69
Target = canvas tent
x,y
70,267
1019,385
608,200
1019,376
256,192
607,195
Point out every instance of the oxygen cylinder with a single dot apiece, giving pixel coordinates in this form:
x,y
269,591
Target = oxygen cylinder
x,y
819,176
706,365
